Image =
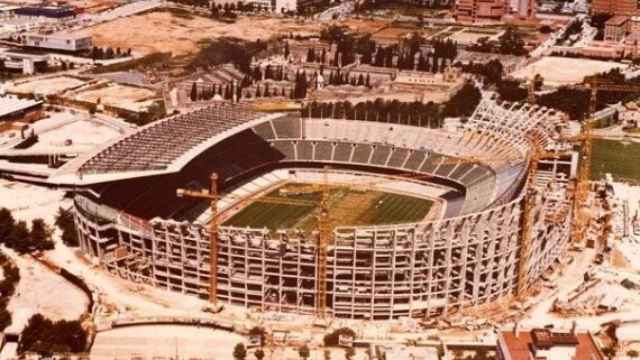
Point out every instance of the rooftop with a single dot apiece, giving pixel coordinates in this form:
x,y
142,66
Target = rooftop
x,y
547,344
12,104
617,20
161,147
62,35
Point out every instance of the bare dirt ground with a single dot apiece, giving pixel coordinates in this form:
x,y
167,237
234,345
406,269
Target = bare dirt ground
x,y
42,291
363,25
162,31
151,341
46,86
118,95
558,71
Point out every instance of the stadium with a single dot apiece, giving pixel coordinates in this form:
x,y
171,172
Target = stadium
x,y
424,221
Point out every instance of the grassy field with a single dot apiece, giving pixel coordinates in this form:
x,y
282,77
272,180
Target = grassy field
x,y
348,207
620,159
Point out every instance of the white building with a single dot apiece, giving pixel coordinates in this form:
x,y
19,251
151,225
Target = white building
x,y
277,6
59,41
27,63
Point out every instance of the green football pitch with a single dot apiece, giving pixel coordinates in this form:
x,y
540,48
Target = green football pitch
x,y
621,159
347,207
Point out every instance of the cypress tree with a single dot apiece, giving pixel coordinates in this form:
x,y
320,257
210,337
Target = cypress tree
x,y
194,92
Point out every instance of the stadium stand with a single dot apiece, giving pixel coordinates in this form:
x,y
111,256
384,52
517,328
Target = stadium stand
x,y
469,256
160,143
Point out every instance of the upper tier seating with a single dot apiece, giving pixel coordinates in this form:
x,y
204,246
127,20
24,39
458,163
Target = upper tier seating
x,y
153,196
156,146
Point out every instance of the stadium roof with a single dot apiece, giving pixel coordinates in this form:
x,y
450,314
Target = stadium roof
x,y
162,147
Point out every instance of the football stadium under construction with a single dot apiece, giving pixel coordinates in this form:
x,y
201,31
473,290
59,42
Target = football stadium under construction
x,y
494,199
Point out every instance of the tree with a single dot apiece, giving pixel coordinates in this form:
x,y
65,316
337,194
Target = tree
x,y
19,238
7,223
574,102
492,71
260,332
545,29
464,102
44,336
239,352
194,92
510,90
259,354
311,55
598,21
511,42
5,317
304,352
332,33
228,95
266,92
332,339
39,237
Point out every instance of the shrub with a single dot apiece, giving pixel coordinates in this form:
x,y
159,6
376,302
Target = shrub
x,y
332,339
44,336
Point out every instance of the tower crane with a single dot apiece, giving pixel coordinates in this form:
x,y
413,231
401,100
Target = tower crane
x,y
213,197
325,227
595,85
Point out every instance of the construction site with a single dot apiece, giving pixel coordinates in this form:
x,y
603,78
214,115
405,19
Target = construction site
x,y
499,197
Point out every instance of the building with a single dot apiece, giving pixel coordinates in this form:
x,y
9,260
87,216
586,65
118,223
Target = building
x,y
298,5
615,7
472,11
525,9
68,42
546,344
437,87
213,81
629,116
13,108
299,50
616,28
24,62
469,255
56,12
277,6
634,25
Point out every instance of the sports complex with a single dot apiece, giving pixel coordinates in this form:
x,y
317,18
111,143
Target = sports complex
x,y
423,221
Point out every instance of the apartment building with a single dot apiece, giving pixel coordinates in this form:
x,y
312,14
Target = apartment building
x,y
472,11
